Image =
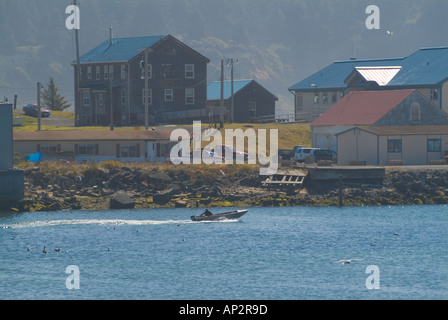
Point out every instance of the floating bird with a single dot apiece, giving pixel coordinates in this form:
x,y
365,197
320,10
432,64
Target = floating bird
x,y
347,261
28,249
45,250
390,33
57,249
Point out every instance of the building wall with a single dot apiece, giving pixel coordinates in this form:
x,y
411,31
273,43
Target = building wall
x,y
357,144
445,97
253,94
325,136
429,113
127,99
98,151
307,109
362,145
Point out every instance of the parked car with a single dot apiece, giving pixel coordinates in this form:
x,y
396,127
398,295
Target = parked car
x,y
31,110
319,154
323,154
304,152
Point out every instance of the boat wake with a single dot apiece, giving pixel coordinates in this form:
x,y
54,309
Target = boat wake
x,y
100,222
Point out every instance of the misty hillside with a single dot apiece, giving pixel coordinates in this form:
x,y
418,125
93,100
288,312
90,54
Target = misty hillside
x,y
277,42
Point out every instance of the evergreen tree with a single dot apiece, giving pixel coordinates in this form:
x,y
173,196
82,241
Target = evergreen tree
x,y
52,99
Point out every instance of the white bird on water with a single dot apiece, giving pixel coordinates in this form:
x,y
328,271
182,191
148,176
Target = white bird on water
x,y
347,261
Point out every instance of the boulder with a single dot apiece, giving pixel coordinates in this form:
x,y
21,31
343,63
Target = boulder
x,y
121,200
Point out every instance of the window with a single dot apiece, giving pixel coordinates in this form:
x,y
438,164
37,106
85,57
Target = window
x,y
106,72
316,98
394,145
434,145
252,108
189,96
111,71
97,72
86,98
123,71
334,97
167,72
86,149
128,151
100,99
50,148
168,95
415,111
299,101
434,95
325,98
89,72
189,71
149,71
149,95
123,97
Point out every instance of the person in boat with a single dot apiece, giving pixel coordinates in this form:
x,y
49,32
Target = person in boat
x,y
207,213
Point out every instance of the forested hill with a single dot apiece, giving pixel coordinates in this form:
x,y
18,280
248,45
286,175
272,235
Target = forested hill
x,y
277,42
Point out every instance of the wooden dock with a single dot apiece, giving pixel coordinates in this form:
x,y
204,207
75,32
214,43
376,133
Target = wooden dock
x,y
285,179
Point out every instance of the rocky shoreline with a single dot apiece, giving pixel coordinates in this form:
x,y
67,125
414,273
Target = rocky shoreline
x,y
57,186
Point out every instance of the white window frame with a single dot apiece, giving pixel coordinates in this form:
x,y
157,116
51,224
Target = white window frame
x,y
189,71
169,95
98,73
100,99
89,72
86,98
123,71
189,96
106,72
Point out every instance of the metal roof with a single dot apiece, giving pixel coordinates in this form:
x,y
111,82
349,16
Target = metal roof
x,y
214,89
334,75
362,107
427,67
122,49
402,130
381,75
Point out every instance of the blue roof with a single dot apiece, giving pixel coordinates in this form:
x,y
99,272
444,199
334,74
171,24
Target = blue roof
x,y
214,89
428,66
334,76
122,49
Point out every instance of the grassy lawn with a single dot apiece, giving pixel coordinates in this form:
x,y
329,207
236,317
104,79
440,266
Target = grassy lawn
x,y
289,134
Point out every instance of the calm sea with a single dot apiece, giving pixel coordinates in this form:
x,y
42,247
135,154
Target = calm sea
x,y
270,253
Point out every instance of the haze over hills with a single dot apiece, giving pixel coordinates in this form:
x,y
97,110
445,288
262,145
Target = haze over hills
x,y
277,42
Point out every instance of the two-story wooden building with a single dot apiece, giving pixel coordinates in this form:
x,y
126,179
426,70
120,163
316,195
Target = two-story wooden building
x,y
112,79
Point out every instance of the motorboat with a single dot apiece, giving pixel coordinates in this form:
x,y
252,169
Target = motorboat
x,y
209,216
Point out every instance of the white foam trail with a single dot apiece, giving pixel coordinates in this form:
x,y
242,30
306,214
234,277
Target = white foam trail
x,y
109,222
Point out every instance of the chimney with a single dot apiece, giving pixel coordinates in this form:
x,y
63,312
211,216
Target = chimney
x,y
111,42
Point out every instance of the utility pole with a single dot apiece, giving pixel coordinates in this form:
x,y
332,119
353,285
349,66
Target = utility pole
x,y
146,91
111,100
38,107
231,62
78,107
221,103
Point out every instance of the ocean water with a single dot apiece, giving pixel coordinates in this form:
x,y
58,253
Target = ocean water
x,y
268,254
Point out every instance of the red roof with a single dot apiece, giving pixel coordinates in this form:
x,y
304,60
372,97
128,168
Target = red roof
x,y
362,107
